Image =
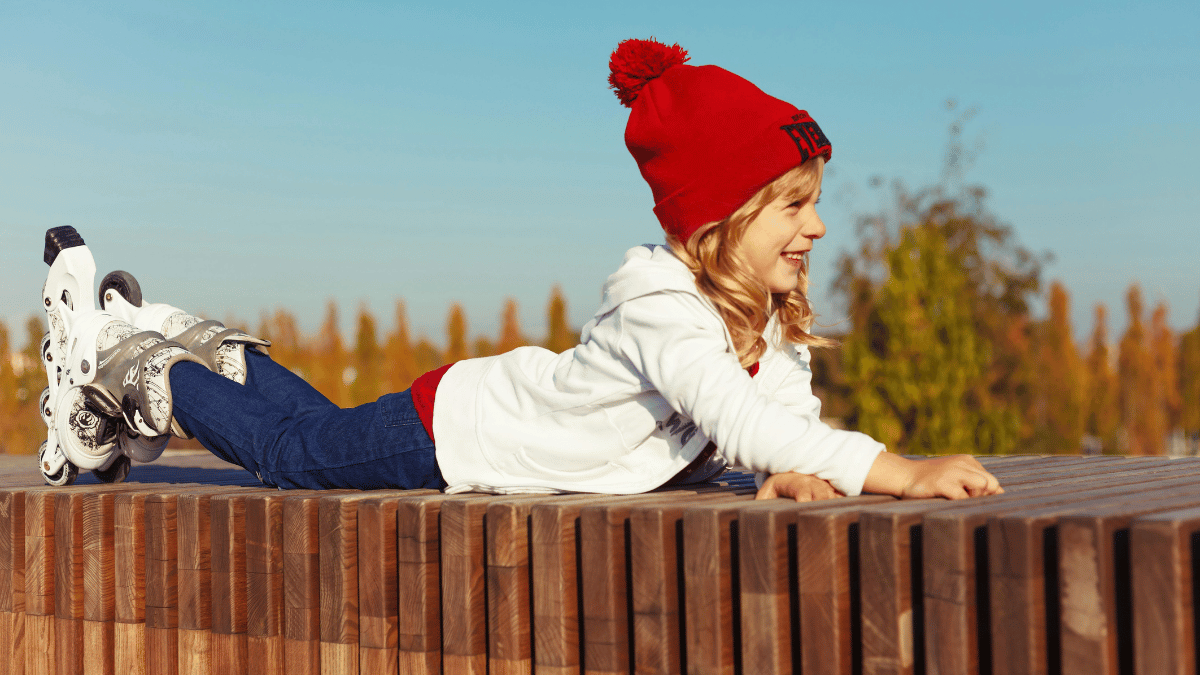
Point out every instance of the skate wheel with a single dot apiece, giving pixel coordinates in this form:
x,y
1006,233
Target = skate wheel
x,y
115,473
121,282
46,359
44,405
63,477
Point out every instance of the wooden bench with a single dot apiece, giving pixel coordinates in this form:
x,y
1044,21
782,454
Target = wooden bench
x,y
1085,565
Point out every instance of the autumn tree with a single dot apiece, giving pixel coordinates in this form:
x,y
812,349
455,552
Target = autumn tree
x,y
1058,392
1141,417
456,334
427,356
510,328
1164,352
999,279
329,359
916,367
1102,415
1189,383
367,361
8,391
559,336
287,343
400,364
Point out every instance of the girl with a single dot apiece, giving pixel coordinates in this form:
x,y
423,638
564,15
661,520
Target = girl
x,y
697,357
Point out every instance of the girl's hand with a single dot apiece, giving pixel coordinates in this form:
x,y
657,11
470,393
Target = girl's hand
x,y
798,486
955,477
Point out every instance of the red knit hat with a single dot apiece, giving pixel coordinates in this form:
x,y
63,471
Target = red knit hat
x,y
704,139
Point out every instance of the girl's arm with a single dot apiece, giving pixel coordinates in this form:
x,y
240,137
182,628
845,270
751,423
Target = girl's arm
x,y
954,477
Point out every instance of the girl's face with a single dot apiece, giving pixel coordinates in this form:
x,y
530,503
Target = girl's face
x,y
777,240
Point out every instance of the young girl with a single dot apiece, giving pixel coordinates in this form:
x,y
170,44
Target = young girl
x,y
696,359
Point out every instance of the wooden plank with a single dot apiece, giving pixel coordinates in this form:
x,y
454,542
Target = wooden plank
x,y
264,582
1162,575
786,596
955,581
464,581
378,589
711,586
99,609
655,564
68,582
227,532
892,573
338,568
419,586
510,613
1023,576
1094,584
266,606
39,581
12,579
301,585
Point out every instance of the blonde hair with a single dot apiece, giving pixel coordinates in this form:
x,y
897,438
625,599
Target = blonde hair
x,y
745,303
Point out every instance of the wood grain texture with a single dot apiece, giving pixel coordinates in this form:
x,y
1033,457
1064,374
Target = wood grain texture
x,y
264,582
957,609
655,550
12,579
227,550
338,560
1093,581
418,583
1023,576
464,582
1162,573
301,586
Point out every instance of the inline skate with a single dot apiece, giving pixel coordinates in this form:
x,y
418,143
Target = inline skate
x,y
108,396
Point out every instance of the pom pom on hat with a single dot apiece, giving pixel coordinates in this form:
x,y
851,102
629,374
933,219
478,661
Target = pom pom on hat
x,y
635,62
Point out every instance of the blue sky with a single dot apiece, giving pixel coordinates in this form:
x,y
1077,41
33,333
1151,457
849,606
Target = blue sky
x,y
239,157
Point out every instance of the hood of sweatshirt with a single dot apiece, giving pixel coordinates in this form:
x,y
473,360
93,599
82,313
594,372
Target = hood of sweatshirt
x,y
647,269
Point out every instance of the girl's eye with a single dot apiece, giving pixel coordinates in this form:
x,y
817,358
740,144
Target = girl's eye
x,y
796,204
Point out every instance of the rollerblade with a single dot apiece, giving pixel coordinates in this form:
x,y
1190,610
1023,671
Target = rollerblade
x,y
221,349
108,398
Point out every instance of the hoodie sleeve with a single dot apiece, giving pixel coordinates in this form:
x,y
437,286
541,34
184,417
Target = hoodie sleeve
x,y
678,345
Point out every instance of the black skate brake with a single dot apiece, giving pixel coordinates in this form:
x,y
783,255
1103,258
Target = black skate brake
x,y
59,238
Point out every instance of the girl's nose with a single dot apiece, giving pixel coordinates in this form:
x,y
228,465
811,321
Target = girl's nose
x,y
814,228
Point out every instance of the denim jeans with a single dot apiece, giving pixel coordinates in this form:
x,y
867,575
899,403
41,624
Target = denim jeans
x,y
280,428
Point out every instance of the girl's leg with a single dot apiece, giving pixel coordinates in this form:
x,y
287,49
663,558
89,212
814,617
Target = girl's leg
x,y
278,384
376,445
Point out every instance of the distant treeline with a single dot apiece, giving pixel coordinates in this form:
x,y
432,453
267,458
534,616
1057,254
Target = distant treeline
x,y
916,371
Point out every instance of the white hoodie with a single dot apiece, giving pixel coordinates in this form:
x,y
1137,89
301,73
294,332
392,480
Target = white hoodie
x,y
654,378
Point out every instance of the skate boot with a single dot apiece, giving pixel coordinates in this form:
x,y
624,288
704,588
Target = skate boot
x,y
221,349
108,398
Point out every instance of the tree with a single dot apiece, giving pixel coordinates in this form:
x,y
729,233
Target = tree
x,y
367,361
329,362
287,344
1141,417
1165,355
1059,398
1189,383
456,334
1102,415
559,336
916,367
8,391
510,328
401,366
1000,279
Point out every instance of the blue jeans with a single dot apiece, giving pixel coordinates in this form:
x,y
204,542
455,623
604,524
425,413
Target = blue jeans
x,y
280,428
